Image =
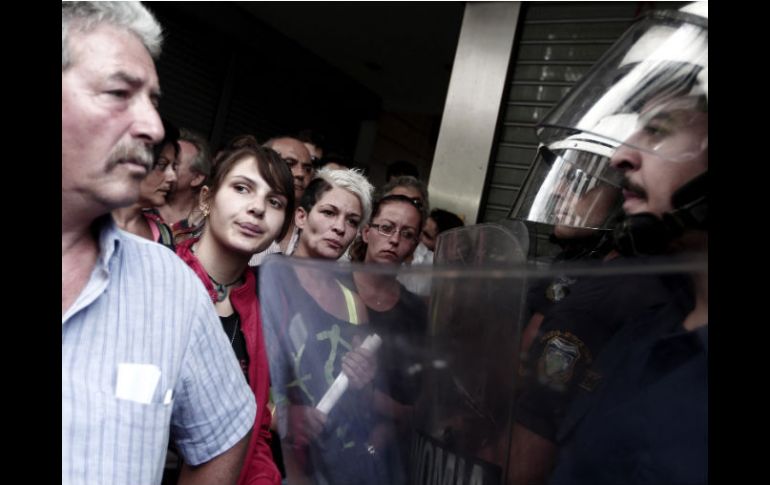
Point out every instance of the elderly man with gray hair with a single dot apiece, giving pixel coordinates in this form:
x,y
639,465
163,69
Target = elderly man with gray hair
x,y
143,353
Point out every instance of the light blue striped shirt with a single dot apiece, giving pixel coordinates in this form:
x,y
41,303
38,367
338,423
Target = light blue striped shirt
x,y
143,305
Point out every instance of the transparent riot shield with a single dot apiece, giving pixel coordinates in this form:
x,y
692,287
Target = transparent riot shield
x,y
441,388
482,244
463,418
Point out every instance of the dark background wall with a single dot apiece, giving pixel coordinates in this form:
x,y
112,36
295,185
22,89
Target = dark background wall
x,y
224,73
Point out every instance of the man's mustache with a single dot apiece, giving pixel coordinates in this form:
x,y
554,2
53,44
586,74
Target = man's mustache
x,y
138,152
632,187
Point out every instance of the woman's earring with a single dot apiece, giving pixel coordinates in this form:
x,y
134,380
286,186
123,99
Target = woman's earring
x,y
205,212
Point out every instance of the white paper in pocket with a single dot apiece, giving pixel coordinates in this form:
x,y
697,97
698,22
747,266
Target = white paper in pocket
x,y
137,382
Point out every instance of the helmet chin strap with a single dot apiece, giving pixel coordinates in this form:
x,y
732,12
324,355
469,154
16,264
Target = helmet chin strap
x,y
647,234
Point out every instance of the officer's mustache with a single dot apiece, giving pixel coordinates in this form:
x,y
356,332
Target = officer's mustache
x,y
632,187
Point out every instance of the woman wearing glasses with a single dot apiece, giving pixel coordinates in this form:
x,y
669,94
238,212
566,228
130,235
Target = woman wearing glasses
x,y
142,217
397,315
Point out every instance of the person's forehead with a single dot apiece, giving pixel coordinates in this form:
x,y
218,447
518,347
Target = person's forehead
x,y
288,147
400,212
247,168
342,199
314,150
187,151
411,192
681,110
111,52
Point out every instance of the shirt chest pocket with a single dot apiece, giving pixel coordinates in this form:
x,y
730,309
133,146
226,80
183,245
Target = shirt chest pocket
x,y
140,433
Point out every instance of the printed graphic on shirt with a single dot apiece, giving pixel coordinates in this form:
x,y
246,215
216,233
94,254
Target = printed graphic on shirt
x,y
336,345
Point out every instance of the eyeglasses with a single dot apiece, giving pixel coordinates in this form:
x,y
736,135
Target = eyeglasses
x,y
389,229
412,200
417,203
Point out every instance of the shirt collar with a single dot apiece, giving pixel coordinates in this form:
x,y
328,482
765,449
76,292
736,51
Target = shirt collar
x,y
109,240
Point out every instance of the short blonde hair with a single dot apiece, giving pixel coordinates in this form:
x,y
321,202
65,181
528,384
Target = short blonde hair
x,y
353,180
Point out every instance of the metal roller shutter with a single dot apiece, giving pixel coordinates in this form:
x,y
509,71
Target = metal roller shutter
x,y
558,43
224,73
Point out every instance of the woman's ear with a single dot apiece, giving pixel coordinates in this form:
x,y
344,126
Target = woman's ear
x,y
365,233
300,217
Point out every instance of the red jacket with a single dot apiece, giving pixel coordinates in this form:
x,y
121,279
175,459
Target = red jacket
x,y
258,467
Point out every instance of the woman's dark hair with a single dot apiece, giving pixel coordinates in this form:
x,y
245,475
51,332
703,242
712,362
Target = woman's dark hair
x,y
445,220
241,141
358,248
170,136
313,193
271,167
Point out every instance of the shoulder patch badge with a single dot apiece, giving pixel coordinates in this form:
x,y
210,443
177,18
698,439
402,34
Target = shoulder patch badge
x,y
559,288
561,352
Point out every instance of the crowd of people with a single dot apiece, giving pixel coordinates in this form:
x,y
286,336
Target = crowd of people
x,y
165,244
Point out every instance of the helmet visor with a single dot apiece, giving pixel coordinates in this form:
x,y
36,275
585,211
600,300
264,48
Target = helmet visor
x,y
570,187
659,65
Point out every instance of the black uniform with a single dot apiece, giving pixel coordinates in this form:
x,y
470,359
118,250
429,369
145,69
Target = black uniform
x,y
572,334
646,419
543,294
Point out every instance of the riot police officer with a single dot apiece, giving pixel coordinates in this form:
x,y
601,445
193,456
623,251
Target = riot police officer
x,y
640,410
574,188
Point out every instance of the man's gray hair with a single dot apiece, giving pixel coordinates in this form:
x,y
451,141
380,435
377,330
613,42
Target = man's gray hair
x,y
202,162
409,181
354,181
86,16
